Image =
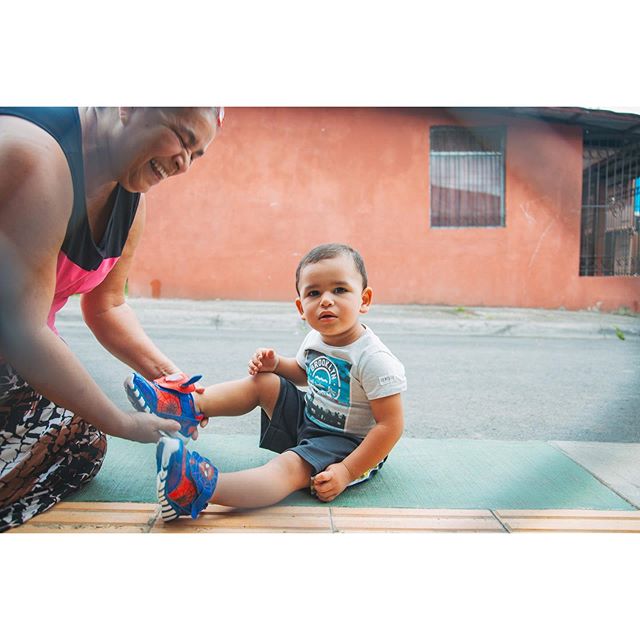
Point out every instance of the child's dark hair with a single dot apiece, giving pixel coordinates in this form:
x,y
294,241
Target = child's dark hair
x,y
328,251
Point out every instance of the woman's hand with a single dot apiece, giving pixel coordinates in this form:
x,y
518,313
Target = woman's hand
x,y
145,427
263,361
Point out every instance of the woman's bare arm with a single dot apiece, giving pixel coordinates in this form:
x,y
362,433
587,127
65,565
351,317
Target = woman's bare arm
x,y
113,321
36,196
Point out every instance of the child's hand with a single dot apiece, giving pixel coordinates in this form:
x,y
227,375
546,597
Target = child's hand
x,y
263,361
331,482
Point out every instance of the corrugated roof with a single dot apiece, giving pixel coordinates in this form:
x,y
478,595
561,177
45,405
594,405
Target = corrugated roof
x,y
628,123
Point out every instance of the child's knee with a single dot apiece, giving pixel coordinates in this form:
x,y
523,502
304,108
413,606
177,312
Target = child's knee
x,y
290,465
265,380
267,388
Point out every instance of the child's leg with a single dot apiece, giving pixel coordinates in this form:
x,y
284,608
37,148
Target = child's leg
x,y
265,485
240,396
186,481
179,399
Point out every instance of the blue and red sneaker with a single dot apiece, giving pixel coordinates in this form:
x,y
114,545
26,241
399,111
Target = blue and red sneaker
x,y
185,481
167,397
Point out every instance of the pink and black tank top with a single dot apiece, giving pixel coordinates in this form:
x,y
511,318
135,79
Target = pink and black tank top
x,y
82,263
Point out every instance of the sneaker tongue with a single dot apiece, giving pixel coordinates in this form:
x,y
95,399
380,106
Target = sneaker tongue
x,y
191,380
174,377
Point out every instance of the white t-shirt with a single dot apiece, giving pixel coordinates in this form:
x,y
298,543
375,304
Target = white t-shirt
x,y
342,381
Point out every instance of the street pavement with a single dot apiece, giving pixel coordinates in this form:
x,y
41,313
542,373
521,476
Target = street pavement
x,y
563,377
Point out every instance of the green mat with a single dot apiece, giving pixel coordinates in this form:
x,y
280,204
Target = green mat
x,y
426,474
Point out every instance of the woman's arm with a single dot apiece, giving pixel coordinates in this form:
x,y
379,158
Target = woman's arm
x,y
113,321
36,197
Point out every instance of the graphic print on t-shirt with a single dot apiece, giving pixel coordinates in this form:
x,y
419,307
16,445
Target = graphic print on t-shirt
x,y
329,379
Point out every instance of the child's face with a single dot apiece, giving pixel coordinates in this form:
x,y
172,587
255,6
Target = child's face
x,y
331,299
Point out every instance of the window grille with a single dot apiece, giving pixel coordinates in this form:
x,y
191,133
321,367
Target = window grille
x,y
466,168
609,244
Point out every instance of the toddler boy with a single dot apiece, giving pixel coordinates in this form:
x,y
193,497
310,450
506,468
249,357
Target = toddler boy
x,y
336,434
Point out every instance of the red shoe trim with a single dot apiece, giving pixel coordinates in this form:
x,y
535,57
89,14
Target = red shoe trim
x,y
185,493
168,403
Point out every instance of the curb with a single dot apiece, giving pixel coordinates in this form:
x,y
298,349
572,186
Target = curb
x,y
224,315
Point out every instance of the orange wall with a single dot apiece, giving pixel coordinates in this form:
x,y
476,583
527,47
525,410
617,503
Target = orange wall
x,y
279,181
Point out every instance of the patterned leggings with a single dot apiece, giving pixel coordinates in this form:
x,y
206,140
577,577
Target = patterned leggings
x,y
46,452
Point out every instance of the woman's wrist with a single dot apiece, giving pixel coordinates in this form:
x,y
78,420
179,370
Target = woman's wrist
x,y
171,370
116,423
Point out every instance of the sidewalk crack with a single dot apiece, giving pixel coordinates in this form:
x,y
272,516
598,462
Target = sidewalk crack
x,y
331,523
502,524
152,520
593,475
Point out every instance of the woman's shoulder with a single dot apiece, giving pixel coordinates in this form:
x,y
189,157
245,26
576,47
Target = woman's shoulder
x,y
28,152
36,188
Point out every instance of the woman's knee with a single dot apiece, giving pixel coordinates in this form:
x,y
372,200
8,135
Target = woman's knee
x,y
87,443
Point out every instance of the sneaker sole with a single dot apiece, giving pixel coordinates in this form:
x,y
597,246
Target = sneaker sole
x,y
134,396
138,403
167,512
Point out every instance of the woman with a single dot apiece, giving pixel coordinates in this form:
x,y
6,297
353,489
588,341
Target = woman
x,y
72,184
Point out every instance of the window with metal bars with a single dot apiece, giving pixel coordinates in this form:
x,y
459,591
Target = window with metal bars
x,y
609,243
466,169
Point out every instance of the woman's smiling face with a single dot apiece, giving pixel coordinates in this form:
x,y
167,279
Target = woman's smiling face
x,y
163,143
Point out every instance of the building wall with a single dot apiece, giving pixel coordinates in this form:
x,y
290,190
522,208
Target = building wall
x,y
279,181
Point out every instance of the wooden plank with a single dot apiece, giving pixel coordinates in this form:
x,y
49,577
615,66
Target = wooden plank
x,y
79,528
271,519
282,510
124,517
578,520
93,517
149,507
400,511
414,520
200,527
136,517
567,513
388,525
573,525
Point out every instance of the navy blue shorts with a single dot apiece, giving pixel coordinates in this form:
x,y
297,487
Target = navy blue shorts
x,y
290,430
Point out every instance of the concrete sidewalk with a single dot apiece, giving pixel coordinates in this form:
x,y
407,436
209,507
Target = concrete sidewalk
x,y
407,319
614,466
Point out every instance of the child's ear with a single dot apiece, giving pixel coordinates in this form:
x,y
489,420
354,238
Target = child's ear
x,y
299,306
367,295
